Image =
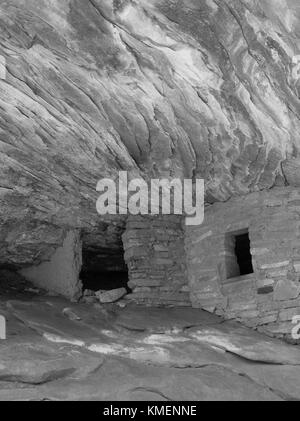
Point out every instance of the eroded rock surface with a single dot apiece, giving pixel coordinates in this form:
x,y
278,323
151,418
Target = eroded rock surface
x,y
105,353
182,87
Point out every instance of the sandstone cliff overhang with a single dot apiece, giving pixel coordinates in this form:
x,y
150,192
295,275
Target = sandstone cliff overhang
x,y
182,88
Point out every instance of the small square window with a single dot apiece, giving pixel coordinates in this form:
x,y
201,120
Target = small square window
x,y
238,254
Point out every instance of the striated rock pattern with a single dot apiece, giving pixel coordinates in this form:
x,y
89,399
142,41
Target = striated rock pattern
x,y
183,88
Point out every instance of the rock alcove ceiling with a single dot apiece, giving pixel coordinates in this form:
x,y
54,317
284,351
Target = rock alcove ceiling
x,y
182,88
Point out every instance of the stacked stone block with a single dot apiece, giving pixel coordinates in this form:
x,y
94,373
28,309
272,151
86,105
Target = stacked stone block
x,y
154,253
269,298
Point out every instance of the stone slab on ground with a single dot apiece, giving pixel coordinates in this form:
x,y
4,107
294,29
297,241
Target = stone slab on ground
x,y
247,343
141,318
142,354
106,297
46,316
130,381
37,363
284,380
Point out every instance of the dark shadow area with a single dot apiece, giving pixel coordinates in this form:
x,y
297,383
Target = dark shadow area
x,y
104,270
13,285
243,254
105,281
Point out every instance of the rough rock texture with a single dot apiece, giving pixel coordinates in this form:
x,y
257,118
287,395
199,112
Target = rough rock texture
x,y
159,87
37,363
139,354
269,298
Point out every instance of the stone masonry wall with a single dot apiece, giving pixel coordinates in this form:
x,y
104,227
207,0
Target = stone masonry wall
x,y
270,297
154,253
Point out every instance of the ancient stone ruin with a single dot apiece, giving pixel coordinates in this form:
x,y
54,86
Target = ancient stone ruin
x,y
242,263
158,89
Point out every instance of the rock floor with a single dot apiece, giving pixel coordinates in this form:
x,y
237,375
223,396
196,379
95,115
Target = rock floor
x,y
61,351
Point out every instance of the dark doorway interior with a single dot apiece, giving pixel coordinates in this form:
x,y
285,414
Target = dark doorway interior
x,y
104,270
243,254
105,281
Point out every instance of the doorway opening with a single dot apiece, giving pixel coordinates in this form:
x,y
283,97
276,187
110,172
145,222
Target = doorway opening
x,y
104,269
